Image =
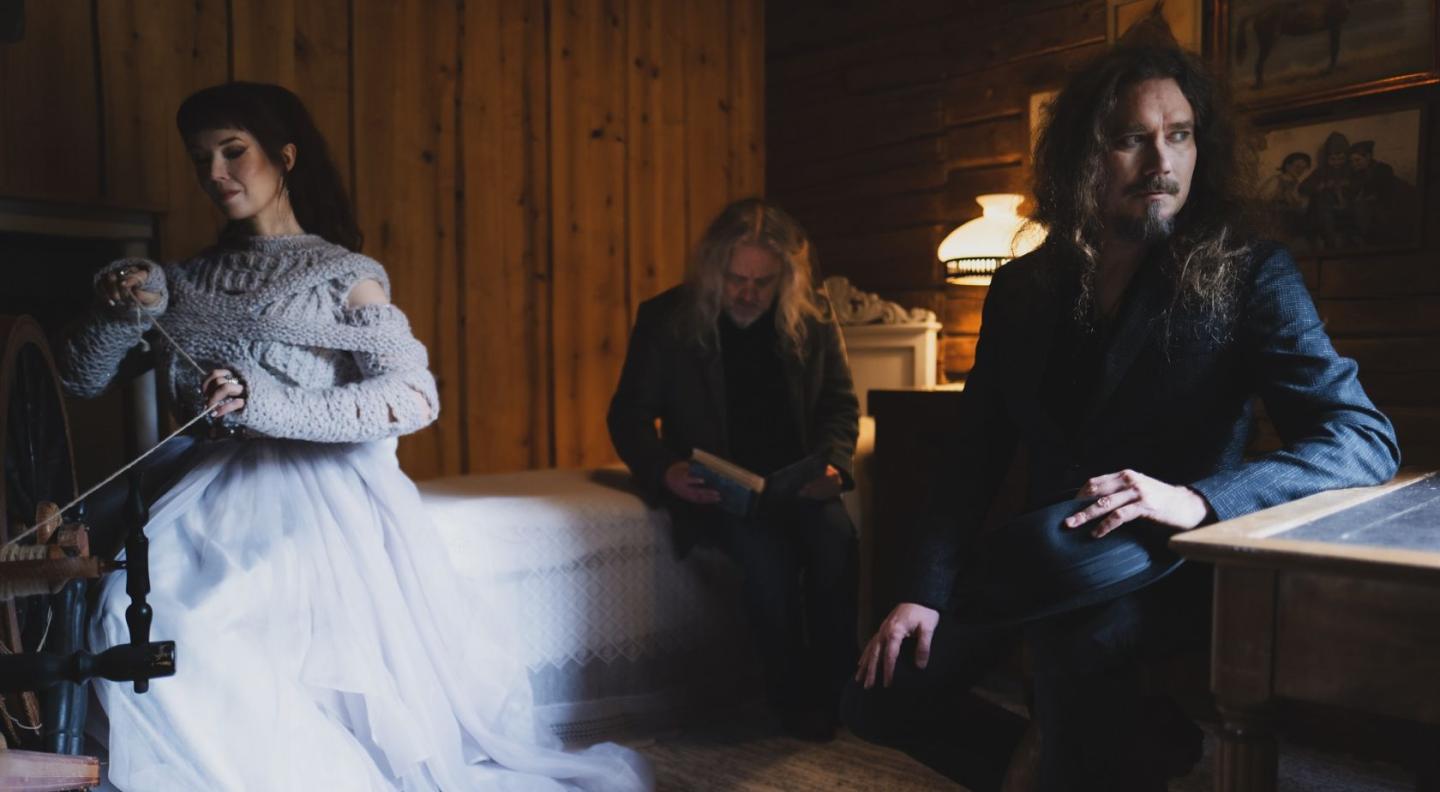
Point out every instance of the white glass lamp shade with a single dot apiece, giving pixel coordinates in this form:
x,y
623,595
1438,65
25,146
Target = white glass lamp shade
x,y
976,249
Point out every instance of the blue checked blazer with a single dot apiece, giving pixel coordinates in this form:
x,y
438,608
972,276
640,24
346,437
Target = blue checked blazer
x,y
1173,405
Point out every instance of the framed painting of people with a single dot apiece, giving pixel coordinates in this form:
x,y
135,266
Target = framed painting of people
x,y
1291,52
1345,185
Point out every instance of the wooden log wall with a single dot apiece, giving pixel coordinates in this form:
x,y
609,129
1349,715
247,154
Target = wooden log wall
x,y
884,126
527,170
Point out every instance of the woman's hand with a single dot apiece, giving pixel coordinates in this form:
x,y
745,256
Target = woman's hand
x,y
121,287
224,393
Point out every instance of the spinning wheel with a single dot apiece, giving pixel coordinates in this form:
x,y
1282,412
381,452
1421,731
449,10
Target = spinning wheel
x,y
43,578
38,474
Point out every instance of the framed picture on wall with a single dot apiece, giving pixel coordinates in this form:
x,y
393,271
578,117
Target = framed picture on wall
x,y
1346,184
1183,16
1038,115
1285,52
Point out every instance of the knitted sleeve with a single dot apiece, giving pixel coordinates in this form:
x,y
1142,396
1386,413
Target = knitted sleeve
x,y
396,396
93,349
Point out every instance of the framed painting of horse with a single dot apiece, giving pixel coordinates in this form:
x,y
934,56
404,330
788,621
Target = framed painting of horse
x,y
1346,184
1183,16
1293,52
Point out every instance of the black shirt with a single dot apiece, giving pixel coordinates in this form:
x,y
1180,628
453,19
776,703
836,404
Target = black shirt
x,y
1077,356
761,424
1072,374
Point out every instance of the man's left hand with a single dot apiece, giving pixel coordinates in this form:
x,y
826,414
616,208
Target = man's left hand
x,y
1128,495
827,486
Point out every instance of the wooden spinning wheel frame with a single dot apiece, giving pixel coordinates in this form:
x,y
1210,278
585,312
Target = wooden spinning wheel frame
x,y
43,581
36,467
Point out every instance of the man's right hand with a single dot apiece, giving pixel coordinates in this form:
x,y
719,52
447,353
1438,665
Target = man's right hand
x,y
906,620
687,486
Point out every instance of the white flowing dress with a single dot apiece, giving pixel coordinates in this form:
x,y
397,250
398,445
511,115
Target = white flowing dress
x,y
323,641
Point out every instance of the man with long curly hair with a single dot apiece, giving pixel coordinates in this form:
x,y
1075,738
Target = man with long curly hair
x,y
1121,360
745,360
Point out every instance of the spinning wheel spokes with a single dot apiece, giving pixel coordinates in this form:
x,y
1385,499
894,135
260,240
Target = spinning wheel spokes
x,y
35,467
37,451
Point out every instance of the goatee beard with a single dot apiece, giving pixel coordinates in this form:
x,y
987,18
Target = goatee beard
x,y
1152,226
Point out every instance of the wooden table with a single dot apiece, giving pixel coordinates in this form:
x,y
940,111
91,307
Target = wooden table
x,y
1333,599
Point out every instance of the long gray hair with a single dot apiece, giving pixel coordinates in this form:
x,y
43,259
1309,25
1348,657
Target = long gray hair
x,y
751,221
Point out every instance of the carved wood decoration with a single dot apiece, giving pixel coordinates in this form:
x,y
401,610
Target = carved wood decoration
x,y
855,307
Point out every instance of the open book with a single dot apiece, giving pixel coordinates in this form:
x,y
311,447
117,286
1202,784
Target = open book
x,y
742,491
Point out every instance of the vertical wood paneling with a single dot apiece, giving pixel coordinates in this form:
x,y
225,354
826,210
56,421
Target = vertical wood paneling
x,y
195,58
322,72
587,162
505,235
525,198
404,67
707,86
136,51
747,97
262,40
656,168
303,45
50,127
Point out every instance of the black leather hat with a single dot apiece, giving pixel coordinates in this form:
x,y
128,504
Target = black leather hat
x,y
1034,566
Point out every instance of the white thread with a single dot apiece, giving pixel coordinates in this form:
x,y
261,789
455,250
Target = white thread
x,y
137,460
20,723
174,345
11,589
140,328
31,553
44,634
87,493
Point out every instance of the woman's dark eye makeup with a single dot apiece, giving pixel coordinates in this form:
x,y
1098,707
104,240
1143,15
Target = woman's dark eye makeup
x,y
202,158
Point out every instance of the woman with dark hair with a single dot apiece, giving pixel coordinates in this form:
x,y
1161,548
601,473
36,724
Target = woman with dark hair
x,y
322,640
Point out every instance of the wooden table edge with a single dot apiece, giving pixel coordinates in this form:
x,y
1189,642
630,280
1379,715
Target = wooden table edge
x,y
1251,539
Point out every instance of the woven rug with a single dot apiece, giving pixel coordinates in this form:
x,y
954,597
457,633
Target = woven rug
x,y
752,757
745,755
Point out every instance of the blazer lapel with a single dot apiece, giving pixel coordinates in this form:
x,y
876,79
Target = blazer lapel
x,y
1131,333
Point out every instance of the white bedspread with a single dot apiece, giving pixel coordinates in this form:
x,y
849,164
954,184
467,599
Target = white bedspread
x,y
617,632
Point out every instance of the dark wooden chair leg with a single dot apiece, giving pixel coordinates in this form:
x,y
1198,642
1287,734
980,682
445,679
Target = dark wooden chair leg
x,y
1247,758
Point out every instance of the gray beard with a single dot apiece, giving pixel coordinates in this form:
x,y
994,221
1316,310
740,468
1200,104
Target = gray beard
x,y
1150,227
740,322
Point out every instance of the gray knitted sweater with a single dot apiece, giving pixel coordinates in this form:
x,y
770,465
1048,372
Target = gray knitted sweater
x,y
272,310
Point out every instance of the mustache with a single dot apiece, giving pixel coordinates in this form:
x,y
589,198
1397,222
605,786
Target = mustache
x,y
1154,184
